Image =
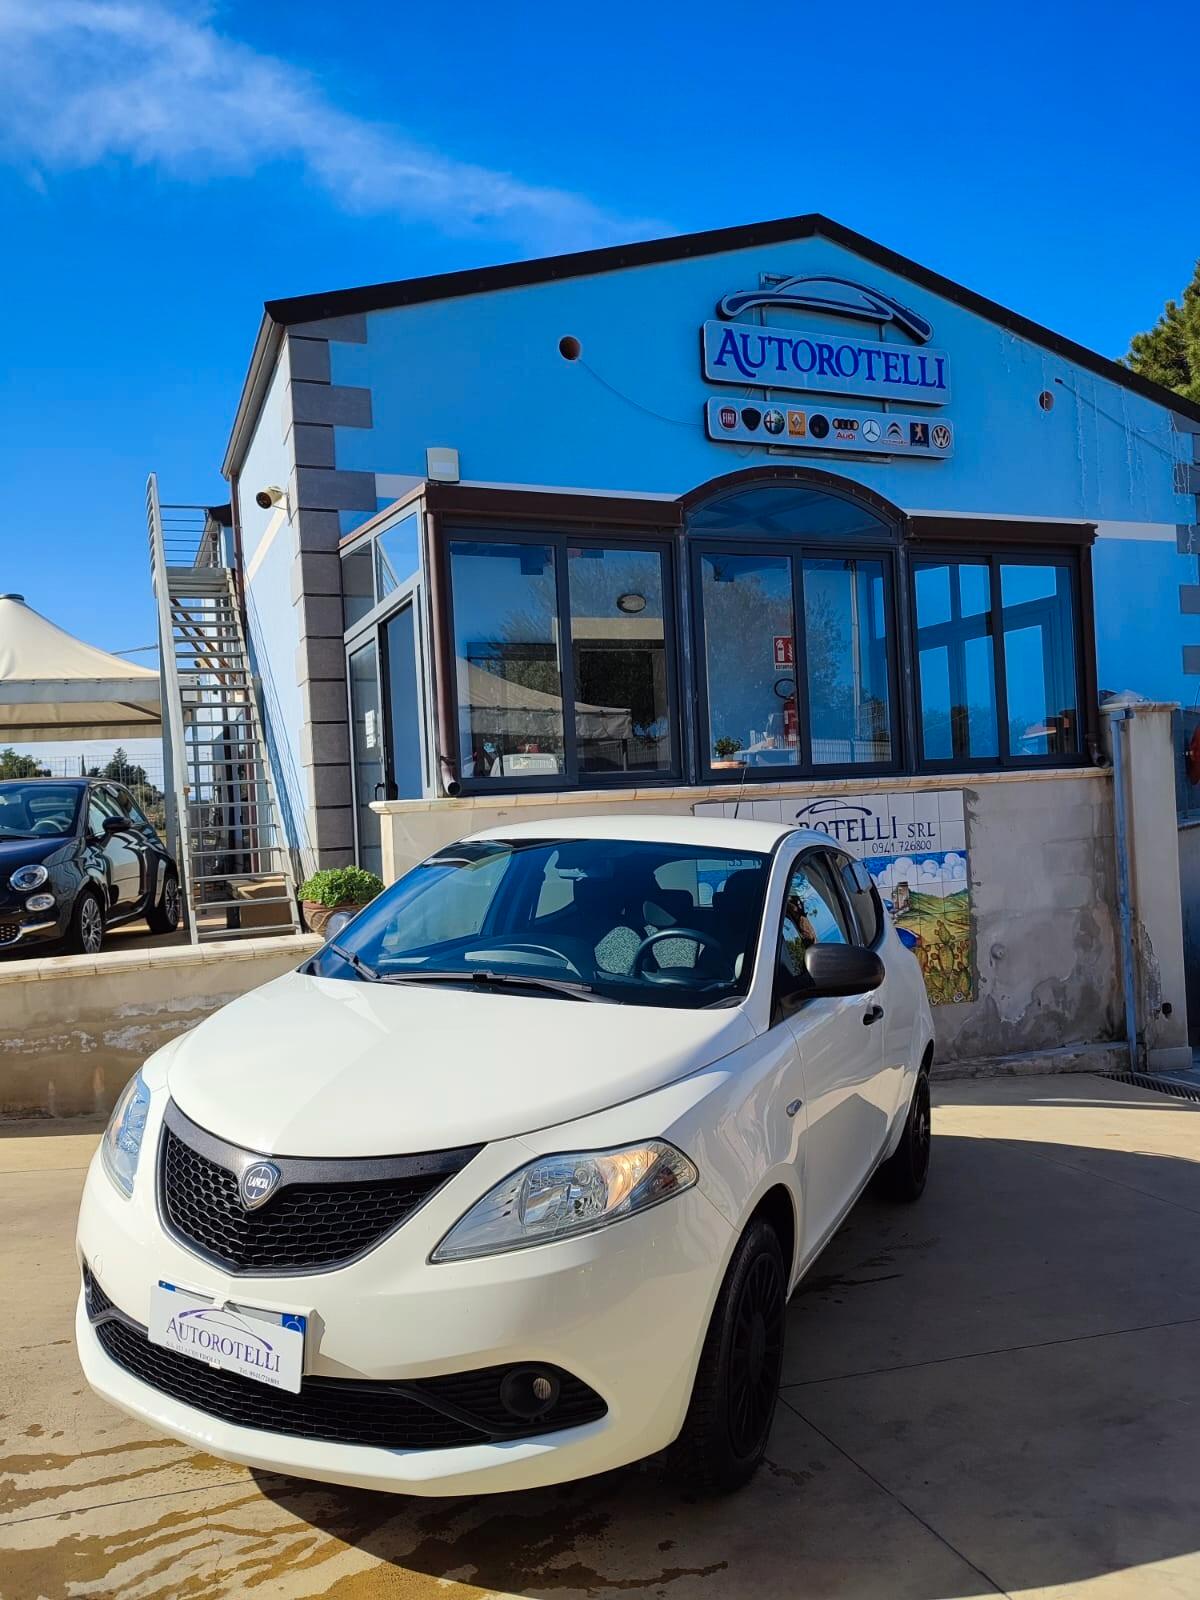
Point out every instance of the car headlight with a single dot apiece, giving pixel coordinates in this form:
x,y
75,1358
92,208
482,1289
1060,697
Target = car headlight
x,y
29,878
555,1197
122,1143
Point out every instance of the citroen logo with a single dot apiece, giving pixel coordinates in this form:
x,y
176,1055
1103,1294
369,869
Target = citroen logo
x,y
258,1183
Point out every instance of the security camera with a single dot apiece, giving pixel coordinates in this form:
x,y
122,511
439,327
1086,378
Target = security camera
x,y
272,495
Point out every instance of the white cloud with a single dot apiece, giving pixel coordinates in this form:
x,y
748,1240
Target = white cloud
x,y
936,875
87,81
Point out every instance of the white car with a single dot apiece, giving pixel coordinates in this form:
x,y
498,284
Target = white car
x,y
511,1181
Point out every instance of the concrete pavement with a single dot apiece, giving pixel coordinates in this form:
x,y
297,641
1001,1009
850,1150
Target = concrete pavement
x,y
994,1392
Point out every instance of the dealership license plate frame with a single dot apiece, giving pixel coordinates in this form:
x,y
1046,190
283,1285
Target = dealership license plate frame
x,y
266,1345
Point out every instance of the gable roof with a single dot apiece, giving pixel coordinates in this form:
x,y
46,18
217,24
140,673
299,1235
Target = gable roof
x,y
280,314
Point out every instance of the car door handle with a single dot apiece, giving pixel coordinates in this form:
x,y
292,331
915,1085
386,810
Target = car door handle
x,y
793,1106
872,1014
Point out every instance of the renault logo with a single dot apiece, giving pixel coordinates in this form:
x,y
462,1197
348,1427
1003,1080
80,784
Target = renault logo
x,y
258,1183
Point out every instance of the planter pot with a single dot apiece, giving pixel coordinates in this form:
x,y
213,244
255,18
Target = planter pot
x,y
721,765
317,916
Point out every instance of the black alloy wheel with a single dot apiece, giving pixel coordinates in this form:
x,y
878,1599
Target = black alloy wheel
x,y
725,1433
904,1174
164,917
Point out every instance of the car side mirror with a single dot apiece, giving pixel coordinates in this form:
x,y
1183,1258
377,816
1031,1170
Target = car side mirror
x,y
112,825
841,969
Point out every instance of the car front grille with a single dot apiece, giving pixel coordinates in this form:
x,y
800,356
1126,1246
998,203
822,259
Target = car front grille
x,y
460,1408
322,1213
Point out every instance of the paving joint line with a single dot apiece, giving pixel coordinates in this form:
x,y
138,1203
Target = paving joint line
x,y
903,1504
131,1500
1000,1350
1032,1145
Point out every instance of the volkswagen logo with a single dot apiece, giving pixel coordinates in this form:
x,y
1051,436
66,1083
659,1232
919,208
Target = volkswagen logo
x,y
258,1183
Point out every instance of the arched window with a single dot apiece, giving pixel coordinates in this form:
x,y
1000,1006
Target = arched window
x,y
793,585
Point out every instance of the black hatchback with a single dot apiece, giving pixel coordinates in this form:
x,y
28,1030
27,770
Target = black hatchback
x,y
78,855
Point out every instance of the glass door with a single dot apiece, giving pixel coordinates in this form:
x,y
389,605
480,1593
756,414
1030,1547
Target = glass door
x,y
405,764
366,751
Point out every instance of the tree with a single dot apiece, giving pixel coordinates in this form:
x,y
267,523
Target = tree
x,y
1170,352
13,765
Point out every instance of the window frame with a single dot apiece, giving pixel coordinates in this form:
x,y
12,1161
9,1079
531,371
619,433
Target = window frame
x,y
994,555
779,1012
561,540
797,551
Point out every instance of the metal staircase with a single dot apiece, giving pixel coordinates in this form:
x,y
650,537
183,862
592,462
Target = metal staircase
x,y
237,869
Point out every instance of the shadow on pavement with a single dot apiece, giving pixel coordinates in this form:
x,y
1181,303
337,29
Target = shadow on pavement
x,y
995,1389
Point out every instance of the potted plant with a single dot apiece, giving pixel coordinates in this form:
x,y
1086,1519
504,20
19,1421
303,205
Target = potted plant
x,y
336,889
726,749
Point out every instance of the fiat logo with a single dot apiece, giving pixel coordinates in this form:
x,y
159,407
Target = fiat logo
x,y
258,1183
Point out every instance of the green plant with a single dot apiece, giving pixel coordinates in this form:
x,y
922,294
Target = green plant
x,y
341,886
726,747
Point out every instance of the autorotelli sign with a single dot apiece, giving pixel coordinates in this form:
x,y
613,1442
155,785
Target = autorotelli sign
x,y
774,356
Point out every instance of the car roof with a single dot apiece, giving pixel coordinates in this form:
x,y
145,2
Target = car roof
x,y
706,832
73,783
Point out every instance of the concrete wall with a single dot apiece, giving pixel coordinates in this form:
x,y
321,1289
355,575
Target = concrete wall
x,y
1042,878
74,1028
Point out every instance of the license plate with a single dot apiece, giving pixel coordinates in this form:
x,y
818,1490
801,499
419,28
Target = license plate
x,y
267,1346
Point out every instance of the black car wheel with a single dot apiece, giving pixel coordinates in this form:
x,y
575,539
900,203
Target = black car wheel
x,y
164,917
904,1174
85,935
737,1384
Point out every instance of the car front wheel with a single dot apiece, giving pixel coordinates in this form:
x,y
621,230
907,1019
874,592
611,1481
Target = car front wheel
x,y
86,932
725,1434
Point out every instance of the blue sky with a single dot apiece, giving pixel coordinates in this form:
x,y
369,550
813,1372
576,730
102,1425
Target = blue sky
x,y
164,168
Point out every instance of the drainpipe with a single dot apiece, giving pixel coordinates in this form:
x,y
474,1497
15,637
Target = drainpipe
x,y
1120,721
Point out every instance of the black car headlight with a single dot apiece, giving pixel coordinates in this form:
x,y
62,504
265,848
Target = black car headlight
x,y
28,878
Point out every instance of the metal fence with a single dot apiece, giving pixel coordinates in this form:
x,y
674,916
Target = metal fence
x,y
141,775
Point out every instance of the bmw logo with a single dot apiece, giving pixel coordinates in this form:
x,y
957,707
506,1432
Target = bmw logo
x,y
258,1183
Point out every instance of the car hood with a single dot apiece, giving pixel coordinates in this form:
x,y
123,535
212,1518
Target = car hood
x,y
16,853
326,1067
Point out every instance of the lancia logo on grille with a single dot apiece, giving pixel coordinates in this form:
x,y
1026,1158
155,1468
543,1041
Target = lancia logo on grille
x,y
258,1183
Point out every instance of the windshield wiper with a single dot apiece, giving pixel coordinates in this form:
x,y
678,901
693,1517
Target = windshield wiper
x,y
372,974
484,976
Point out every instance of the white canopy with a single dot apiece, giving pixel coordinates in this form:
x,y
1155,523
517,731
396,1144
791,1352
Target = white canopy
x,y
53,686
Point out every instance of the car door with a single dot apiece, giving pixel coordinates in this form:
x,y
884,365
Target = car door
x,y
120,850
896,998
840,1049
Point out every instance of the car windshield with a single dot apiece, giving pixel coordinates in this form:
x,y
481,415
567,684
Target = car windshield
x,y
38,810
651,924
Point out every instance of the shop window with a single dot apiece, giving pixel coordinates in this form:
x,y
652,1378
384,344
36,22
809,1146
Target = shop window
x,y
846,656
749,637
395,555
619,651
1038,621
508,660
996,646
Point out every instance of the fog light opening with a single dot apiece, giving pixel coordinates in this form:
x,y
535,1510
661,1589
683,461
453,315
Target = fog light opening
x,y
529,1392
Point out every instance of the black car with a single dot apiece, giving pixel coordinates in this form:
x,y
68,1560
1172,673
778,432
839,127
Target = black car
x,y
77,855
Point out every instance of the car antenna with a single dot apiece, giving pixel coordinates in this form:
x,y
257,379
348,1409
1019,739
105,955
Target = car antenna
x,y
741,786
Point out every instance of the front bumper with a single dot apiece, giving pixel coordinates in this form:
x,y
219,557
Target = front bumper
x,y
624,1310
21,930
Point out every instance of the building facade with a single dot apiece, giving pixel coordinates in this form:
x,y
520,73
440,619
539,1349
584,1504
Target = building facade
x,y
769,517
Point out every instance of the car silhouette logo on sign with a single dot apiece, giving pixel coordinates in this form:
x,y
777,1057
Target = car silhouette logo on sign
x,y
258,1183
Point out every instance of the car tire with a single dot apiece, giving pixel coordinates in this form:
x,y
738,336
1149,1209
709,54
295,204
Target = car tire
x,y
904,1174
724,1435
85,932
164,917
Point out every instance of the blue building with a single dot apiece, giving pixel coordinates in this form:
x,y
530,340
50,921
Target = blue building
x,y
769,515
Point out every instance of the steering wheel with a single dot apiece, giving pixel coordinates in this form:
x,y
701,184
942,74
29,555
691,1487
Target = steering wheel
x,y
540,950
638,965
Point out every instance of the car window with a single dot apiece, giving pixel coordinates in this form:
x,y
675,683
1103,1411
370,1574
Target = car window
x,y
130,807
859,889
812,914
37,810
647,923
100,805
